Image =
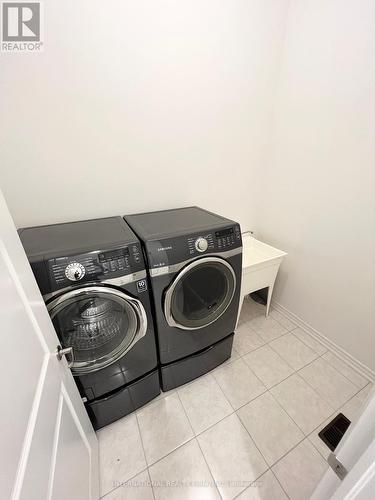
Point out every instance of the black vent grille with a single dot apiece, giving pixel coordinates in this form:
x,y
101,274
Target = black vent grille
x,y
334,431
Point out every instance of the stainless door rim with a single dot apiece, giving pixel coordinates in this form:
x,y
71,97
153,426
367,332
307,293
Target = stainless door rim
x,y
168,295
160,271
136,305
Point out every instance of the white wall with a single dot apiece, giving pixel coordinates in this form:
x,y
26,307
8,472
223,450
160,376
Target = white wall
x,y
140,105
318,197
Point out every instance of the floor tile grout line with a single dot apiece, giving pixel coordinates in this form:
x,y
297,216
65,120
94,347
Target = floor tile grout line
x,y
329,403
286,361
252,399
285,409
191,425
281,486
144,453
269,467
269,390
256,446
144,456
290,416
141,438
194,436
221,390
177,447
301,340
263,315
288,330
255,375
293,448
278,337
266,342
209,469
251,437
170,452
280,404
270,316
347,378
274,338
295,327
338,371
300,441
151,483
122,483
317,449
212,425
199,446
268,345
294,372
255,480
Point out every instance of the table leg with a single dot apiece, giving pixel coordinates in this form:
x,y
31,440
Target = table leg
x,y
269,297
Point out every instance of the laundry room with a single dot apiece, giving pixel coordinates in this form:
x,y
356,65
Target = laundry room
x,y
187,249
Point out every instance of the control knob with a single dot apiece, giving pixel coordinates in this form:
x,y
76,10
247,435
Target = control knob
x,y
75,271
201,244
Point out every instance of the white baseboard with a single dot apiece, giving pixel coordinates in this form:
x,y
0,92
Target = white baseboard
x,y
338,351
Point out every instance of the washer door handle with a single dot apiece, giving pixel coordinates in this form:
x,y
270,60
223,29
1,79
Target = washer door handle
x,y
68,351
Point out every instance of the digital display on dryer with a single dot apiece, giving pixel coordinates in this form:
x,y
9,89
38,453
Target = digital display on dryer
x,y
224,232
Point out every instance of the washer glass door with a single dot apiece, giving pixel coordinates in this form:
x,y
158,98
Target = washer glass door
x,y
100,323
200,293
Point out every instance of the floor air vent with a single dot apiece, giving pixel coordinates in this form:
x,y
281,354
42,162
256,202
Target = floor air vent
x,y
334,431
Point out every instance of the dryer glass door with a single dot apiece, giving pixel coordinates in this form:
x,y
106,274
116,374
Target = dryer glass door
x,y
100,323
200,293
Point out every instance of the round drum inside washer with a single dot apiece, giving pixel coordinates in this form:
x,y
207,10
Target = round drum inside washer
x,y
99,325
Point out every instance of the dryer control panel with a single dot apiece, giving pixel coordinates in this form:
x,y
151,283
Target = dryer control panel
x,y
214,241
95,266
171,251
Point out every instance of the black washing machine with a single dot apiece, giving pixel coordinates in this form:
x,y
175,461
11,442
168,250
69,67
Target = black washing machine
x,y
195,266
93,279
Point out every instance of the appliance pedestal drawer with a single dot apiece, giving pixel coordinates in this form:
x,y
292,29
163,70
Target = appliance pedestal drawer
x,y
105,410
187,369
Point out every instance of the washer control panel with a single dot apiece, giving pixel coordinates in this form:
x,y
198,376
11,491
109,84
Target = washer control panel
x,y
115,260
95,266
75,271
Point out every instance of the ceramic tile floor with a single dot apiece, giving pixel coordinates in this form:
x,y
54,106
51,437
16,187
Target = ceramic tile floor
x,y
247,430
